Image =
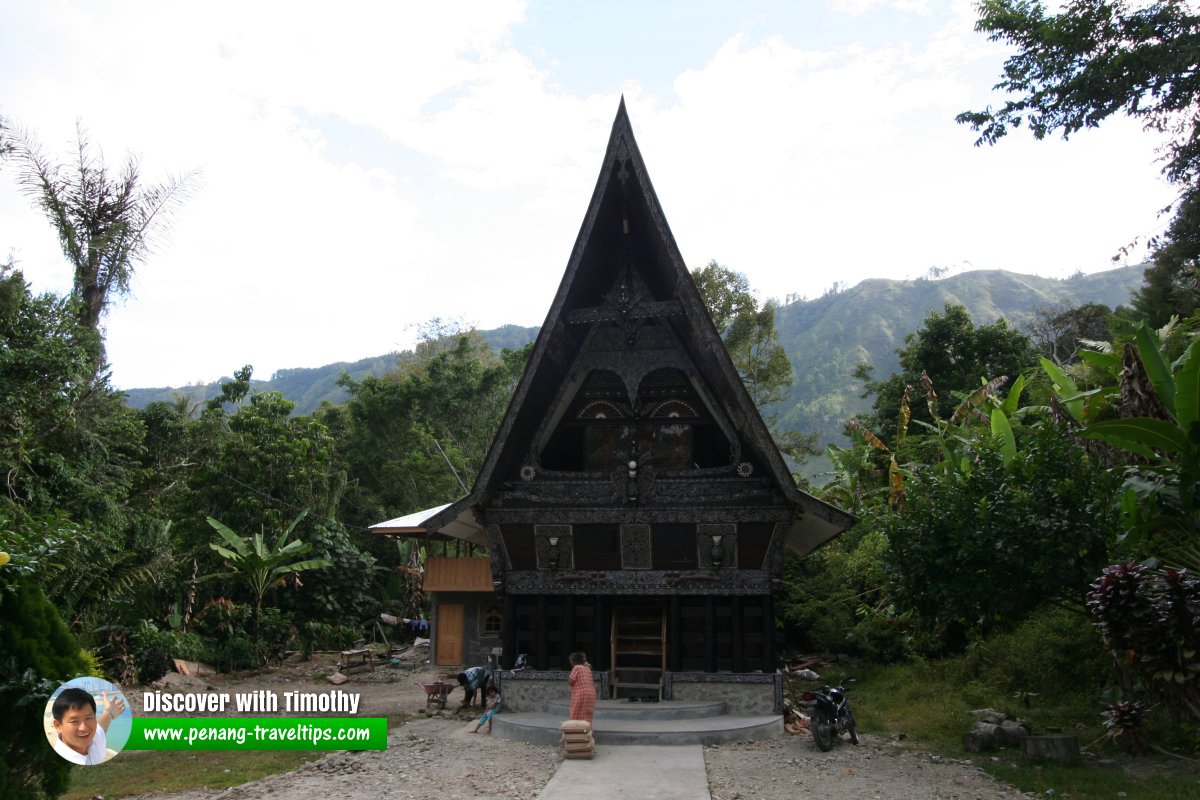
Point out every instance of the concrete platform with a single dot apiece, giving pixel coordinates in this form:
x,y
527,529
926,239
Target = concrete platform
x,y
623,723
645,773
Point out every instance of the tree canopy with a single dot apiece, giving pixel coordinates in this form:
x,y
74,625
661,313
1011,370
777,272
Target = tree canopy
x,y
748,330
104,220
1095,58
953,354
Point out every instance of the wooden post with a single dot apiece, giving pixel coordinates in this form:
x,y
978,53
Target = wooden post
x,y
509,630
768,634
539,636
674,634
602,657
568,641
710,635
737,630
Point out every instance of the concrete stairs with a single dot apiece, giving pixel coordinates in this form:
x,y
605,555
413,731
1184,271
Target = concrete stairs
x,y
619,722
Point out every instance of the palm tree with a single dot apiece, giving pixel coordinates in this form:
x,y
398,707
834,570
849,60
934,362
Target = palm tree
x,y
104,220
260,565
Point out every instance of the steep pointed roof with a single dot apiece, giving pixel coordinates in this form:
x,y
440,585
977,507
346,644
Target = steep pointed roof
x,y
624,200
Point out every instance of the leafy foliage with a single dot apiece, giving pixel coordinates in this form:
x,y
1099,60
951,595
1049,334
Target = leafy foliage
x,y
748,330
260,564
405,437
837,599
1096,58
978,551
1172,282
1053,653
37,654
46,361
950,352
1146,407
1150,620
69,454
104,221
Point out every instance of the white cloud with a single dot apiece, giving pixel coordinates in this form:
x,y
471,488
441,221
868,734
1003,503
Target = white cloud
x,y
856,7
370,168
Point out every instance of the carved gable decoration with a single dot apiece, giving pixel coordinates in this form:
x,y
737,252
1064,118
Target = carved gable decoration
x,y
630,417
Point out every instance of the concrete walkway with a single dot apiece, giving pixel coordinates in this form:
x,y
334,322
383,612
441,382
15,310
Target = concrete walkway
x,y
636,771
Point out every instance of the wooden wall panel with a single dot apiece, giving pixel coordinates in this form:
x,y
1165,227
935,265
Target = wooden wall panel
x,y
458,575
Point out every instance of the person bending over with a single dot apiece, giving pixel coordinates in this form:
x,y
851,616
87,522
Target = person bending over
x,y
474,679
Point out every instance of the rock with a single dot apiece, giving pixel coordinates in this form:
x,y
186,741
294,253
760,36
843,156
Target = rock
x,y
988,715
1010,733
173,680
982,738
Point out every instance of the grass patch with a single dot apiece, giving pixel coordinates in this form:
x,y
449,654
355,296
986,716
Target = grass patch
x,y
1096,782
928,702
169,771
176,771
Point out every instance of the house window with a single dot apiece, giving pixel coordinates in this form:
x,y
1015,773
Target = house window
x,y
493,620
674,546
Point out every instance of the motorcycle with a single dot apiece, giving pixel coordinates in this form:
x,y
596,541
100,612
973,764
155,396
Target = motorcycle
x,y
830,714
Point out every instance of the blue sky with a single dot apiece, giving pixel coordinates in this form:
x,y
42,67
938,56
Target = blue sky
x,y
366,168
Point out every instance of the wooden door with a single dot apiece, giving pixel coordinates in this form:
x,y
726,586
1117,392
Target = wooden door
x,y
449,634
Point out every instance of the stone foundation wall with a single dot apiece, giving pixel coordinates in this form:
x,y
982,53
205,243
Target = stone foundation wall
x,y
744,694
530,690
750,693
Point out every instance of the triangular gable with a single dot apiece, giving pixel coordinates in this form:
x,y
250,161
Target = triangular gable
x,y
625,229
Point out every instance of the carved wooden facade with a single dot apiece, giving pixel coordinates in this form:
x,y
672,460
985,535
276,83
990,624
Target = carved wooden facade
x,y
632,473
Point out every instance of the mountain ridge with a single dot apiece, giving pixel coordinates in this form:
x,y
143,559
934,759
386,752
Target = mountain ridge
x,y
825,339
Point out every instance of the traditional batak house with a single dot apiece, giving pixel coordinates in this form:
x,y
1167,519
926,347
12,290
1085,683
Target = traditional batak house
x,y
633,503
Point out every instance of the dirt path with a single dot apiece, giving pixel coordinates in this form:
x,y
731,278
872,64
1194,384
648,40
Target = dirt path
x,y
437,758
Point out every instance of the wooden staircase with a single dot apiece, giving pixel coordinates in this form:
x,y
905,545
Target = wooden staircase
x,y
639,652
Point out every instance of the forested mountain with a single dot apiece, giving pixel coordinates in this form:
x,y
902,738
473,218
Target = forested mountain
x,y
308,387
825,339
828,337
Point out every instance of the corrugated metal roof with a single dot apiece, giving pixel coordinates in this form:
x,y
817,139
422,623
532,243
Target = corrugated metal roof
x,y
461,526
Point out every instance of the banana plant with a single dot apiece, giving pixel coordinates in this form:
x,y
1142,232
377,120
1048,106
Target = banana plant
x,y
1108,362
850,481
982,407
955,437
1162,486
260,565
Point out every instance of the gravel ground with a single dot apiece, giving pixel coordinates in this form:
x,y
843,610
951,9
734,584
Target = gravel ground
x,y
437,758
791,767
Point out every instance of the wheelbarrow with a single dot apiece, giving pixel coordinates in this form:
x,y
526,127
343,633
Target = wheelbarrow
x,y
436,693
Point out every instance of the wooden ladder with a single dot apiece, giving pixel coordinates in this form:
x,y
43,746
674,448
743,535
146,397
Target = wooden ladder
x,y
639,652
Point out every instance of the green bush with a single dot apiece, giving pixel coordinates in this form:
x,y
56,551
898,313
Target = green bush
x,y
323,636
836,601
977,550
275,632
222,618
225,630
152,649
234,653
94,665
1054,652
37,654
